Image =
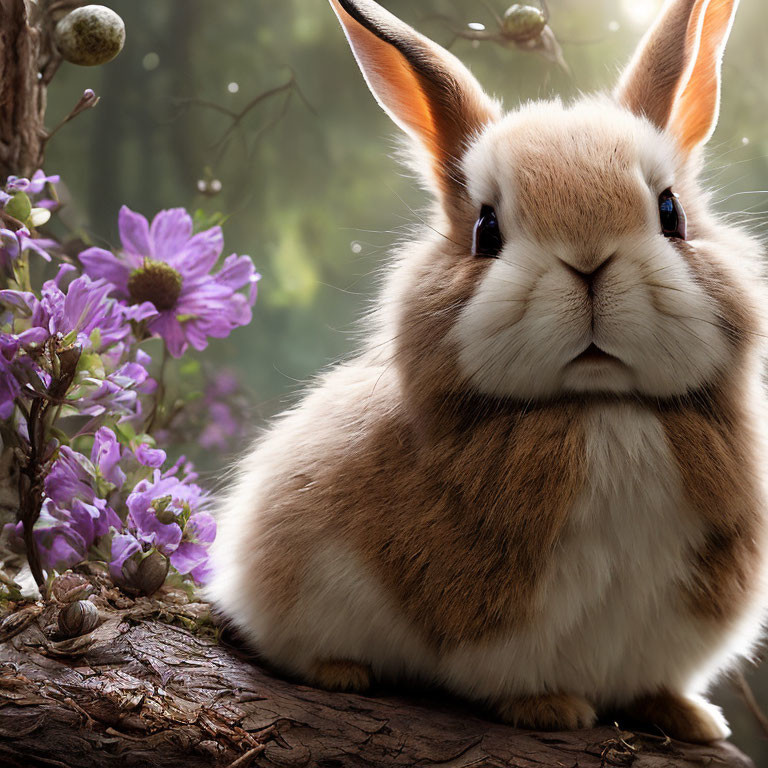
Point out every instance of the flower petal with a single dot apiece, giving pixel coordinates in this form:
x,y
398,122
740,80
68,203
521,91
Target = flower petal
x,y
188,556
150,457
236,272
170,232
134,232
201,527
99,263
106,455
169,328
199,255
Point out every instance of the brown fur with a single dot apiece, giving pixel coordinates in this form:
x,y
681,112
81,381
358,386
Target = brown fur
x,y
460,533
709,438
337,675
570,187
736,311
676,716
552,712
652,80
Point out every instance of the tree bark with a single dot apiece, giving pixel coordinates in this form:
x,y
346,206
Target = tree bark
x,y
27,63
151,686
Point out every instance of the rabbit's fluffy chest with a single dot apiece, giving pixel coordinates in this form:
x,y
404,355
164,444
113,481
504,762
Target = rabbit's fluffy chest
x,y
611,612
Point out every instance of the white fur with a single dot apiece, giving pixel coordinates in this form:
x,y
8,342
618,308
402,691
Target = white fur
x,y
531,315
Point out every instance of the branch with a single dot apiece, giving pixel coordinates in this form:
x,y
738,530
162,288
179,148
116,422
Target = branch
x,y
290,87
140,691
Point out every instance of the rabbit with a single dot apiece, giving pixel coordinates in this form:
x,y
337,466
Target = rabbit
x,y
539,483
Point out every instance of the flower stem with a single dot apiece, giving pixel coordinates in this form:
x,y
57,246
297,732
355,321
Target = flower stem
x,y
35,467
31,491
159,394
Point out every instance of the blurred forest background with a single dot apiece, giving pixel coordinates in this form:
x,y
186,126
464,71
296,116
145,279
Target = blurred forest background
x,y
305,176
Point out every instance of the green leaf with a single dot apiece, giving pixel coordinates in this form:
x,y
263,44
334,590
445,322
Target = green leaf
x,y
19,206
96,338
126,432
92,363
202,220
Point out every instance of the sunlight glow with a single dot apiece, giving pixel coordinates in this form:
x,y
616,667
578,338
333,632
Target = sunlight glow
x,y
640,12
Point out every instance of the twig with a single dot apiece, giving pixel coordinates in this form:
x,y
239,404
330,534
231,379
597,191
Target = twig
x,y
743,687
87,101
291,86
248,756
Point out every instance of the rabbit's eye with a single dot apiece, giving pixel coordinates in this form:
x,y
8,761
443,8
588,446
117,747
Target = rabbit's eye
x,y
674,222
488,241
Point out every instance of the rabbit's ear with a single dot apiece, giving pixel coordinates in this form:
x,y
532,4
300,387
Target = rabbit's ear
x,y
674,79
425,89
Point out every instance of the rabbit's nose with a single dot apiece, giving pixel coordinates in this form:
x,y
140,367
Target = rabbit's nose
x,y
589,274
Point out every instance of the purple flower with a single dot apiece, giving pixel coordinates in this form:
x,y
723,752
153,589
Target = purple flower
x,y
33,186
191,556
86,308
39,180
13,244
150,457
116,393
221,428
17,184
106,454
156,505
71,477
9,384
167,265
64,535
84,314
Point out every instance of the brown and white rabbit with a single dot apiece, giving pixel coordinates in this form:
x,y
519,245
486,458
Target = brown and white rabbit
x,y
539,484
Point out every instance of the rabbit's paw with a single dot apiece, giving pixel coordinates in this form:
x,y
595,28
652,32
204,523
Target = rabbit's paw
x,y
339,675
683,718
550,712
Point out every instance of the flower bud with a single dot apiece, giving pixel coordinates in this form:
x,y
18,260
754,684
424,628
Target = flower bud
x,y
78,618
91,35
39,216
523,23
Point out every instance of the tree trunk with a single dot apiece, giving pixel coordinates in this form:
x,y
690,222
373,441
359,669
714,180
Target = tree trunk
x,y
24,54
138,692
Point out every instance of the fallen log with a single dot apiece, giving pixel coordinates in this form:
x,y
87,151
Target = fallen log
x,y
154,686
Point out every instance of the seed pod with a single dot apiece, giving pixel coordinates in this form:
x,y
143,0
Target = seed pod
x,y
70,587
78,618
151,573
523,23
91,35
